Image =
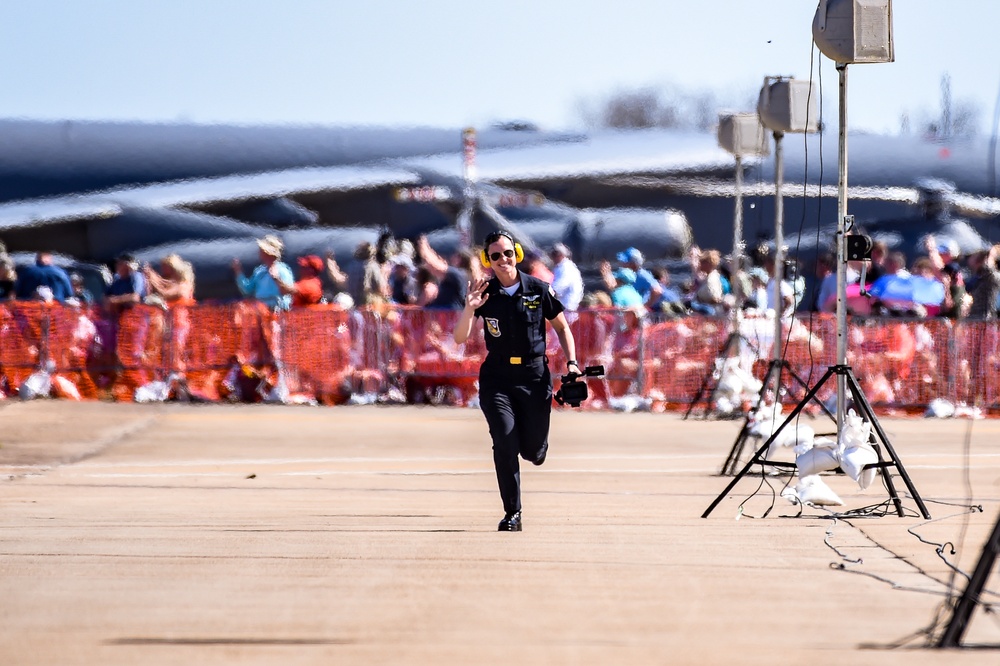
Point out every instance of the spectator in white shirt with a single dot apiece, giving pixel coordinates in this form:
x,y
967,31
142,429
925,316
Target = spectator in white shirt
x,y
566,279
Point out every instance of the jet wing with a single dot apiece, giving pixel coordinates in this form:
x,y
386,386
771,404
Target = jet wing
x,y
200,193
602,154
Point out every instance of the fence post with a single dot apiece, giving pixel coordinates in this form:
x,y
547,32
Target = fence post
x,y
640,374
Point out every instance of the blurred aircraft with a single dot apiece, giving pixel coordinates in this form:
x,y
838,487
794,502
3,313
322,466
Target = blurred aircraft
x,y
900,190
95,190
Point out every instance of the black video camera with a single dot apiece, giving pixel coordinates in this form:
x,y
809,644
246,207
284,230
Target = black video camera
x,y
572,392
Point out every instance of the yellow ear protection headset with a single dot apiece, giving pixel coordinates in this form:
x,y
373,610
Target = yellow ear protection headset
x,y
493,238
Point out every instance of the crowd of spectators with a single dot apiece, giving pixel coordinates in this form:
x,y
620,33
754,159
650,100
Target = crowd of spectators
x,y
940,282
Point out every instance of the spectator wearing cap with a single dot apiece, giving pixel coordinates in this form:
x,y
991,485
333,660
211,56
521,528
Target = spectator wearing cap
x,y
43,274
402,283
265,283
647,286
128,286
308,289
943,253
624,294
566,279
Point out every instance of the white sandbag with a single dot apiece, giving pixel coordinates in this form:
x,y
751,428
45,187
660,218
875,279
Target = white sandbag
x,y
856,431
816,460
725,405
38,385
853,461
156,391
62,387
812,490
940,409
729,386
764,420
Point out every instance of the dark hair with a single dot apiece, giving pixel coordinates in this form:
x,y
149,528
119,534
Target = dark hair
x,y
494,236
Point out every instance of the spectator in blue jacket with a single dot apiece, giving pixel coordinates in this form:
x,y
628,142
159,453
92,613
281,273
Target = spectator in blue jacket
x,y
128,286
43,274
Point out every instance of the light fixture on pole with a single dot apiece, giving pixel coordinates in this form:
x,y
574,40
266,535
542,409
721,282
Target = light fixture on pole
x,y
742,135
785,105
847,31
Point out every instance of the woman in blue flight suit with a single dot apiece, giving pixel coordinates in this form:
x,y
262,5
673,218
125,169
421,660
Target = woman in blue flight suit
x,y
515,387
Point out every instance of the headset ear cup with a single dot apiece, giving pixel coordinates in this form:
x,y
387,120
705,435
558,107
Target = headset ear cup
x,y
483,259
518,252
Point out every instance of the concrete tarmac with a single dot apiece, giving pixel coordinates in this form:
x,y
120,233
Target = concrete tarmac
x,y
183,534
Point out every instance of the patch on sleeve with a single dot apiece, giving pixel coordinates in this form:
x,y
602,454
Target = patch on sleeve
x,y
492,326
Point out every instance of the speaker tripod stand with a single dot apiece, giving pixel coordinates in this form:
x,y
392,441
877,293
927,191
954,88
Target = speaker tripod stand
x,y
774,372
728,349
866,412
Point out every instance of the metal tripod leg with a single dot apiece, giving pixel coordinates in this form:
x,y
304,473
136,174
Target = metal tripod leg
x,y
722,353
725,351
733,459
757,457
862,403
953,633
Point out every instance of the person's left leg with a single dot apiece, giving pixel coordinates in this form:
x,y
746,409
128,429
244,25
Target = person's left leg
x,y
534,409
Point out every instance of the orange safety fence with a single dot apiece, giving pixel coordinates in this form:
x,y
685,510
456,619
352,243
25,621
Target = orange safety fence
x,y
328,355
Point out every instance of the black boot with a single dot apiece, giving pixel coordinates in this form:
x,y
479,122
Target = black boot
x,y
510,523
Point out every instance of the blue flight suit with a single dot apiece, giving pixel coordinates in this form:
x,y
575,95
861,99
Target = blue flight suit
x,y
515,387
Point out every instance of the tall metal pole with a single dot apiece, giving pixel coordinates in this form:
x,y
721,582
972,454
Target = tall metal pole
x,y
779,257
736,264
842,248
464,220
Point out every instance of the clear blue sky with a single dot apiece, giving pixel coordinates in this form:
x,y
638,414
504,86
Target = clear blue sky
x,y
458,62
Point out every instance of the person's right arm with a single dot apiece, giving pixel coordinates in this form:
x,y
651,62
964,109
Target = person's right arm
x,y
337,276
474,298
434,262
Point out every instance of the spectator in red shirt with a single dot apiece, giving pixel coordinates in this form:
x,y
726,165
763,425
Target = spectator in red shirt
x,y
535,266
308,290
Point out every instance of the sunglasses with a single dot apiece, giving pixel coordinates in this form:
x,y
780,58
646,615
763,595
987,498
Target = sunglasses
x,y
506,253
